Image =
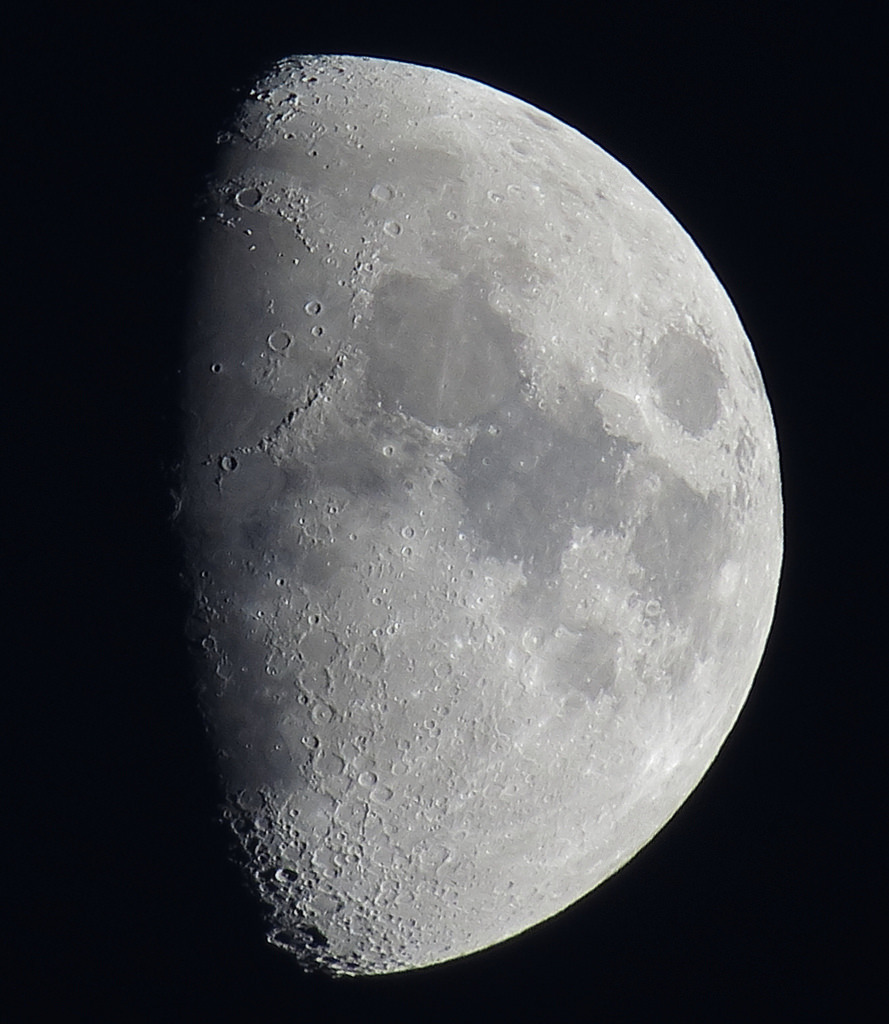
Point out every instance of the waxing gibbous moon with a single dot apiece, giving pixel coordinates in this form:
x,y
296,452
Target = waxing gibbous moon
x,y
481,506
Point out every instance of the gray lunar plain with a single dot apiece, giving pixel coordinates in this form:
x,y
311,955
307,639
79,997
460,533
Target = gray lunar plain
x,y
481,507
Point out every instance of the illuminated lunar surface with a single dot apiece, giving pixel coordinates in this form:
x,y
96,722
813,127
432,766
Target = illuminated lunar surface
x,y
481,506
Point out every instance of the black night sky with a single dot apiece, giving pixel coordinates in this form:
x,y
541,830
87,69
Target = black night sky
x,y
756,125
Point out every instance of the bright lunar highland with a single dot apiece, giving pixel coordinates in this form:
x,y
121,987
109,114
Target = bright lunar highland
x,y
481,507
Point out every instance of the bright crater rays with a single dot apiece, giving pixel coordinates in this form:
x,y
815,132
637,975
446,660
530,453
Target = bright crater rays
x,y
481,504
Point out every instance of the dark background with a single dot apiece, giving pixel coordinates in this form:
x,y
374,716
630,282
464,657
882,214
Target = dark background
x,y
756,124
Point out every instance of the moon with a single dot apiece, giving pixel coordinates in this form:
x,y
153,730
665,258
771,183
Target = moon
x,y
480,504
